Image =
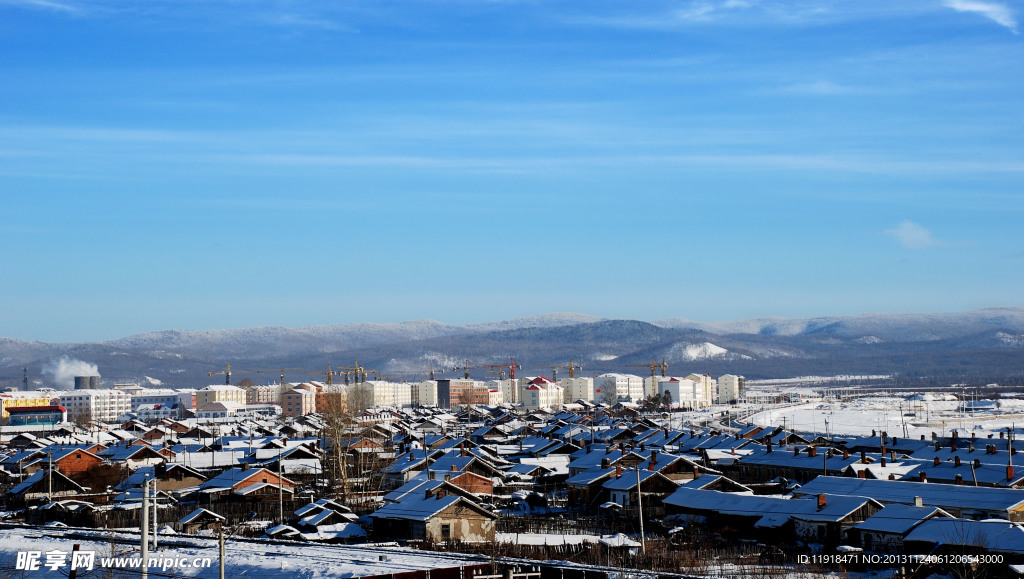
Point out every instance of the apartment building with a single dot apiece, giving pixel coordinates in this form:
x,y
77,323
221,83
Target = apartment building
x,y
95,405
612,388
731,388
220,393
24,398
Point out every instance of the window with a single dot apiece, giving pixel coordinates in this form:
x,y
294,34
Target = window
x,y
446,532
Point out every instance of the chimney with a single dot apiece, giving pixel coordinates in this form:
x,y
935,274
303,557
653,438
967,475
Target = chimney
x,y
959,479
918,502
732,451
952,445
654,458
922,438
956,461
796,450
862,473
863,457
769,447
427,495
696,472
821,501
1009,473
936,461
846,454
937,447
455,468
411,459
924,477
977,463
618,471
873,432
1001,433
892,476
812,452
605,463
431,475
883,461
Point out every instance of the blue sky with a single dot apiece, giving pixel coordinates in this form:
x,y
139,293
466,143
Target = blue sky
x,y
218,164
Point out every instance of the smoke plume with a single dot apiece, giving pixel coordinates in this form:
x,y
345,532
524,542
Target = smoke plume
x,y
62,372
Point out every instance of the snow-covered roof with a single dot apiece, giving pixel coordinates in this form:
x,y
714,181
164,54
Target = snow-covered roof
x,y
198,513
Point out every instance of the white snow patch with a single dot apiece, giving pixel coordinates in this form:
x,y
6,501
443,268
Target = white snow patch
x,y
693,352
154,381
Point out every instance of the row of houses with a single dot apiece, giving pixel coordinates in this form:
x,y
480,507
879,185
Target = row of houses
x,y
438,475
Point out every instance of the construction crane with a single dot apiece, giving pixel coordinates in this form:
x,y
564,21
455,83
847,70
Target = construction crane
x,y
227,373
497,368
572,367
654,367
347,371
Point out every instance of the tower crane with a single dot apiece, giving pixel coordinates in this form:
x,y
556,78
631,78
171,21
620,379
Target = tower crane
x,y
227,373
500,368
358,371
653,365
572,367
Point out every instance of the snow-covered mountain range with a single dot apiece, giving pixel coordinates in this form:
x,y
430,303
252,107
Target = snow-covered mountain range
x,y
985,344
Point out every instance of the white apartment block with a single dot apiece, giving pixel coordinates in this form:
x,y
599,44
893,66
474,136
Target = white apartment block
x,y
577,389
731,388
156,396
96,404
426,393
219,393
612,388
707,384
495,397
495,393
264,394
684,392
541,393
382,393
510,389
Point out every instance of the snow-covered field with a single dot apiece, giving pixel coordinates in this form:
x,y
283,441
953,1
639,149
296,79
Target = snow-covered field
x,y
242,558
910,414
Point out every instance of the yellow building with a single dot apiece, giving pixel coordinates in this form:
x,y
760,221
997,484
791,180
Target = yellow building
x,y
220,393
19,399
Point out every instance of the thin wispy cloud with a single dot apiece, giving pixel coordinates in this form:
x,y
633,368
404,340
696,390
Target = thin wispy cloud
x,y
822,87
42,4
998,13
913,236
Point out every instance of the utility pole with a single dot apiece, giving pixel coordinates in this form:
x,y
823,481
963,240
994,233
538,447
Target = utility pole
x,y
280,489
155,500
220,545
144,526
640,511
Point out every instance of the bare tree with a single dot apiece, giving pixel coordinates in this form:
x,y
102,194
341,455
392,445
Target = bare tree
x,y
341,405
